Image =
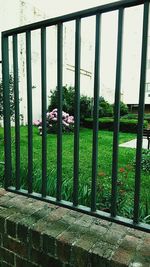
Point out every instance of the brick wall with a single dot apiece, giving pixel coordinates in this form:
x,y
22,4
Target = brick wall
x,y
34,233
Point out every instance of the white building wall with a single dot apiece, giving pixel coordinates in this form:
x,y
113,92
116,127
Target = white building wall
x,y
28,14
23,12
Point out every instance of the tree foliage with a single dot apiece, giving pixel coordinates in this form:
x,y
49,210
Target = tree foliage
x,y
86,104
69,102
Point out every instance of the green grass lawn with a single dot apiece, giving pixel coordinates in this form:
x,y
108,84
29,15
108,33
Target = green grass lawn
x,y
126,172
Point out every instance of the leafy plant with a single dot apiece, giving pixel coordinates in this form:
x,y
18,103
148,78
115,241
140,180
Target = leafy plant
x,y
145,163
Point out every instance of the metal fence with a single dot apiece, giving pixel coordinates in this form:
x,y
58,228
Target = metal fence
x,y
77,17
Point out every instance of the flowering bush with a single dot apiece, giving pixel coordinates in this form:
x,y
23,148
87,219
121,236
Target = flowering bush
x,y
52,119
68,96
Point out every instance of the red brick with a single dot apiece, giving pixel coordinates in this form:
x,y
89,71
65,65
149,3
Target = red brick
x,y
130,243
6,255
24,263
5,264
15,246
4,214
36,239
2,192
122,257
144,249
44,260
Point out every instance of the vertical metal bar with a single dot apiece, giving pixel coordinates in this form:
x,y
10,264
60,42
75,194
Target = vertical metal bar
x,y
117,114
77,111
44,105
141,113
6,103
29,103
59,87
96,113
16,100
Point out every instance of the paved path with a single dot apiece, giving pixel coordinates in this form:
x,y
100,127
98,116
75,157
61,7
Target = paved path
x,y
132,144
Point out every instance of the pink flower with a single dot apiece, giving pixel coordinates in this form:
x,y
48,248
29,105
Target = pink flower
x,y
54,119
55,114
36,122
70,119
64,114
65,123
51,115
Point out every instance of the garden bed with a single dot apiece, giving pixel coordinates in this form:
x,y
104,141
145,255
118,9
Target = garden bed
x,y
126,174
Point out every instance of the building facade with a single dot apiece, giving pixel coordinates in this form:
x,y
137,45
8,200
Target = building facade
x,y
23,12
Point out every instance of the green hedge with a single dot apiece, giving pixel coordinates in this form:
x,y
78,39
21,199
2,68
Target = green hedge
x,y
108,124
135,116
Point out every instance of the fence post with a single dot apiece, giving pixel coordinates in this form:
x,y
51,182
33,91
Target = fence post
x,y
6,108
141,113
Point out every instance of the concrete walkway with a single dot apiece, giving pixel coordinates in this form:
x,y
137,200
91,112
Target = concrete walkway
x,y
132,144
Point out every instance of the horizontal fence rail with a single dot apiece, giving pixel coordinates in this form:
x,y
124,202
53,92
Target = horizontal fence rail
x,y
77,17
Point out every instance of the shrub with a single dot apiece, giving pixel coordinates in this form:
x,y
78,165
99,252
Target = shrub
x,y
68,102
135,116
85,107
108,124
130,116
86,104
12,104
105,109
52,122
68,99
123,109
130,125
